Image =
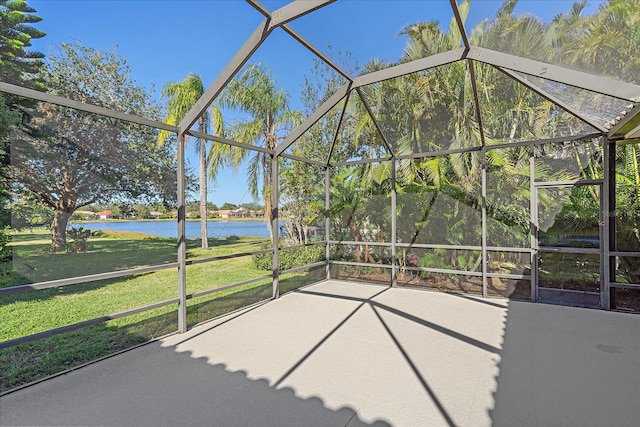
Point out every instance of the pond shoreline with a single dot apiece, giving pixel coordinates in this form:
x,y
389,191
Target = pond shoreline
x,y
85,221
169,228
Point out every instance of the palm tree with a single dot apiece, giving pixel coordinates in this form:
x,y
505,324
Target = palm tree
x,y
606,42
351,203
628,208
182,96
434,110
256,94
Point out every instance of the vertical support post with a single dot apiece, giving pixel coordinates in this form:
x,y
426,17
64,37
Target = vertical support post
x,y
182,243
533,211
275,196
485,260
394,263
608,210
327,220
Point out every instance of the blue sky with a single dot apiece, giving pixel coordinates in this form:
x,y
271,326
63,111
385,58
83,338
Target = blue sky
x,y
164,40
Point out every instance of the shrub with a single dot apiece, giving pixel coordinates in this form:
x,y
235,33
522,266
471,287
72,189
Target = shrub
x,y
5,249
289,258
79,237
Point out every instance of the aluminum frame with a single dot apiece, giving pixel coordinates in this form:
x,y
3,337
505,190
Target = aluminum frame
x,y
227,287
79,325
83,106
557,73
507,63
182,237
86,279
602,251
552,99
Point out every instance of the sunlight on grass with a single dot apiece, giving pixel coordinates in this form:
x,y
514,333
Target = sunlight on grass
x,y
28,313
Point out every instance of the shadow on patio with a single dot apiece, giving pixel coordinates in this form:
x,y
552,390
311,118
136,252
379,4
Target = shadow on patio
x,y
568,366
338,354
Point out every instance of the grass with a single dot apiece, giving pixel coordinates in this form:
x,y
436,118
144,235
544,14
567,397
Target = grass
x,y
33,262
36,311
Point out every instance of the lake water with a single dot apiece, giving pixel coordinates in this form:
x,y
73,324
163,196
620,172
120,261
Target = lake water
x,y
169,228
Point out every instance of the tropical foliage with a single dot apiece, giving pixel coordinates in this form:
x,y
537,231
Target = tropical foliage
x,y
266,119
19,65
181,97
445,146
452,158
439,197
8,119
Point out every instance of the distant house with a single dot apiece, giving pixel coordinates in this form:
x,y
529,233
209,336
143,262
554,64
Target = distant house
x,y
232,213
155,215
105,215
86,214
239,213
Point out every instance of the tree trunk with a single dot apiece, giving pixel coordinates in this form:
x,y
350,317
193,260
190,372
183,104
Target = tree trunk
x,y
271,140
203,194
305,235
59,229
356,235
267,193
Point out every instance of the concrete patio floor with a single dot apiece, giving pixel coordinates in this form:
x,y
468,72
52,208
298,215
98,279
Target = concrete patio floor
x,y
352,354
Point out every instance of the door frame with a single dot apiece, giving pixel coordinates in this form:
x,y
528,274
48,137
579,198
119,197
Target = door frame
x,y
536,249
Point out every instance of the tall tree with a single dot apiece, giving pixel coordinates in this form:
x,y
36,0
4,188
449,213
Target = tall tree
x,y
302,196
433,110
269,119
302,199
8,119
182,96
604,43
67,158
18,65
609,45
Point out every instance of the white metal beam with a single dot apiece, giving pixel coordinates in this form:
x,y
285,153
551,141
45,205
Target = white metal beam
x,y
260,8
476,100
226,141
316,52
239,59
557,73
410,67
295,10
463,31
89,108
569,109
628,127
312,119
386,142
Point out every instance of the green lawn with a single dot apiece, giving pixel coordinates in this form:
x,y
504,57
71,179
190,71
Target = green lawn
x,y
36,311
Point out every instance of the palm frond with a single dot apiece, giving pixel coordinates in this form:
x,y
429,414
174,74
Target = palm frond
x,y
248,132
254,173
454,31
